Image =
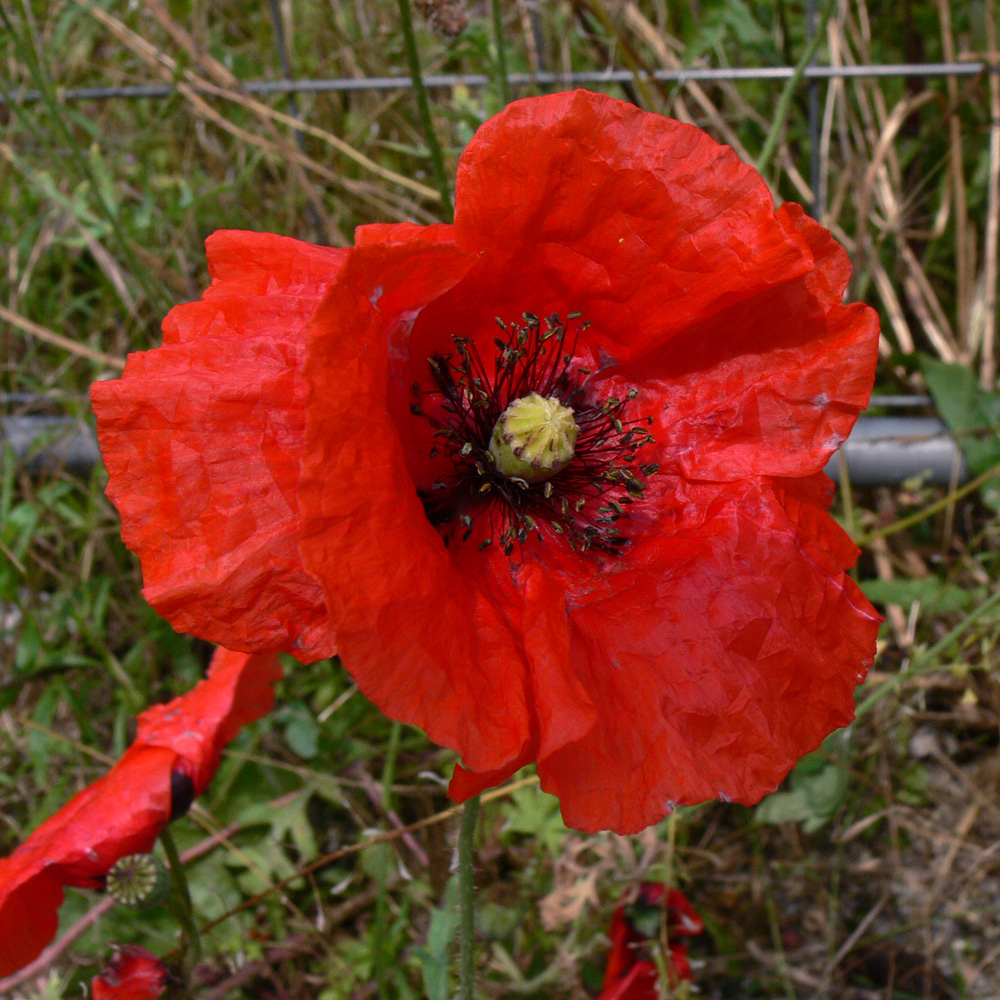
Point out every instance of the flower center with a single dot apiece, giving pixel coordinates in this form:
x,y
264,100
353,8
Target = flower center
x,y
534,438
532,449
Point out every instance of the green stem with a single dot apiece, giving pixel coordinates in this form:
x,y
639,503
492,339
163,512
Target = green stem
x,y
424,106
382,872
928,661
785,101
930,509
466,900
183,910
389,767
501,56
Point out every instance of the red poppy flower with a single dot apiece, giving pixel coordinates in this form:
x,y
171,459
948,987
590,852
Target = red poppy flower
x,y
635,927
324,455
134,974
173,759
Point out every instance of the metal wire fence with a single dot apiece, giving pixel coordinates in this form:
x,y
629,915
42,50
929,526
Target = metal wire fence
x,y
546,79
879,454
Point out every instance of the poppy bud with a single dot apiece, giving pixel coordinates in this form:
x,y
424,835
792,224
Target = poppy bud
x,y
534,438
138,881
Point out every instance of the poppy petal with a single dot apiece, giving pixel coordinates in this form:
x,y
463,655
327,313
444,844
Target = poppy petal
x,y
644,223
196,726
744,393
563,710
124,811
392,592
121,813
403,232
227,406
720,656
641,982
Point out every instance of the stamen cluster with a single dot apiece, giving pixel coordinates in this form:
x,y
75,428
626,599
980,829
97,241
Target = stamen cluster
x,y
583,502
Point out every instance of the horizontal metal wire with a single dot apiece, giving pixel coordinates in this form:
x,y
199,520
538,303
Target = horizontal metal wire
x,y
734,73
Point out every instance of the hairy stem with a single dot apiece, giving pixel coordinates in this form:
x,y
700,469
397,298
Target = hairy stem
x,y
183,909
424,107
466,899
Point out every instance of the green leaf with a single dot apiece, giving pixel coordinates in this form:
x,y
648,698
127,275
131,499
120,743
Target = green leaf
x,y
817,787
301,729
931,592
435,957
812,801
971,414
534,812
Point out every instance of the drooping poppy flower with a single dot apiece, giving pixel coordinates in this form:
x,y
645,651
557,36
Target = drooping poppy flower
x,y
134,974
631,972
174,756
547,479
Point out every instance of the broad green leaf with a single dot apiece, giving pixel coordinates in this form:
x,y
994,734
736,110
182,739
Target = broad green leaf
x,y
971,414
435,958
532,811
932,593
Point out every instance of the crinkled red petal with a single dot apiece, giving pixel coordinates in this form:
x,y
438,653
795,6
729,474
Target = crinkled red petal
x,y
123,812
465,783
769,387
719,654
562,710
424,645
202,440
403,232
647,225
134,974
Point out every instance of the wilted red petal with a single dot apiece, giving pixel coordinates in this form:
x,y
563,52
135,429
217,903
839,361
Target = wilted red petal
x,y
196,726
123,812
223,402
641,982
134,974
629,973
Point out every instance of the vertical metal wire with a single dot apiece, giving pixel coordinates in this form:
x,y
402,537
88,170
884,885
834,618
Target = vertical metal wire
x,y
815,167
293,106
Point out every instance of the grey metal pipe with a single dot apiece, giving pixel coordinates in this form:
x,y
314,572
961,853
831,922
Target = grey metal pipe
x,y
886,451
47,443
881,451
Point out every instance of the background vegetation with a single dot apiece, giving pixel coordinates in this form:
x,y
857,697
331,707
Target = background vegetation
x,y
872,874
